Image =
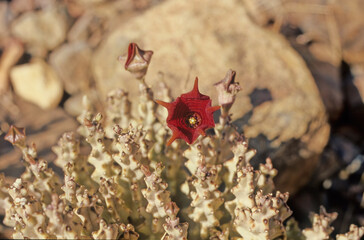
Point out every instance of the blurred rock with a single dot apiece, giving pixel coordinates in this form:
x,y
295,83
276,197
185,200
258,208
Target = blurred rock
x,y
353,86
5,19
73,105
88,28
336,30
100,8
37,83
43,4
144,4
40,30
345,149
80,29
329,83
327,76
20,6
74,9
339,152
89,2
314,18
332,32
72,64
8,108
358,83
12,52
350,24
289,125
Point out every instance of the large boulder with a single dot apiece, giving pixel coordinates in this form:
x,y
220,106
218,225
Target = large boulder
x,y
328,34
279,107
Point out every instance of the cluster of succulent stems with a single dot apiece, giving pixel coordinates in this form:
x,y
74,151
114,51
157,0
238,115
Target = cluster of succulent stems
x,y
136,184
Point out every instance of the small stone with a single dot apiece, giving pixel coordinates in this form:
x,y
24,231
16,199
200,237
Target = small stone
x,y
37,82
73,105
71,62
12,52
80,29
41,29
20,6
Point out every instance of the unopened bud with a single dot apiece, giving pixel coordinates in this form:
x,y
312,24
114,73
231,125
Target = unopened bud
x,y
137,61
227,89
16,136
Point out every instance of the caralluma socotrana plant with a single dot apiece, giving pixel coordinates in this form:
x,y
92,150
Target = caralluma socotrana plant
x,y
132,185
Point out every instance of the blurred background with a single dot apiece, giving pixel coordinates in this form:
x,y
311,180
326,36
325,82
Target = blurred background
x,y
300,65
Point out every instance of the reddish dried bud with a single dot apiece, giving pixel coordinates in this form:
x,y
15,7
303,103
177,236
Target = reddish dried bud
x,y
16,136
189,115
227,89
137,61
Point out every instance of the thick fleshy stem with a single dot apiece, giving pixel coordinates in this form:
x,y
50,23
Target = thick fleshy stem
x,y
161,206
256,215
321,228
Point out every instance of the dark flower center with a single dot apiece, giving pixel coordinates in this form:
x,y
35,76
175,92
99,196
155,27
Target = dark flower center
x,y
193,120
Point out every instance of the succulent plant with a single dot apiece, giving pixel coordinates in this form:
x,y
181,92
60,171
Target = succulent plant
x,y
134,184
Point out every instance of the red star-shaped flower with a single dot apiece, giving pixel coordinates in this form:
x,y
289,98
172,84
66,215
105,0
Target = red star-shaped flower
x,y
189,115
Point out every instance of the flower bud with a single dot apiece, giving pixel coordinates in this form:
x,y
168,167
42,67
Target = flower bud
x,y
227,89
137,61
16,136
